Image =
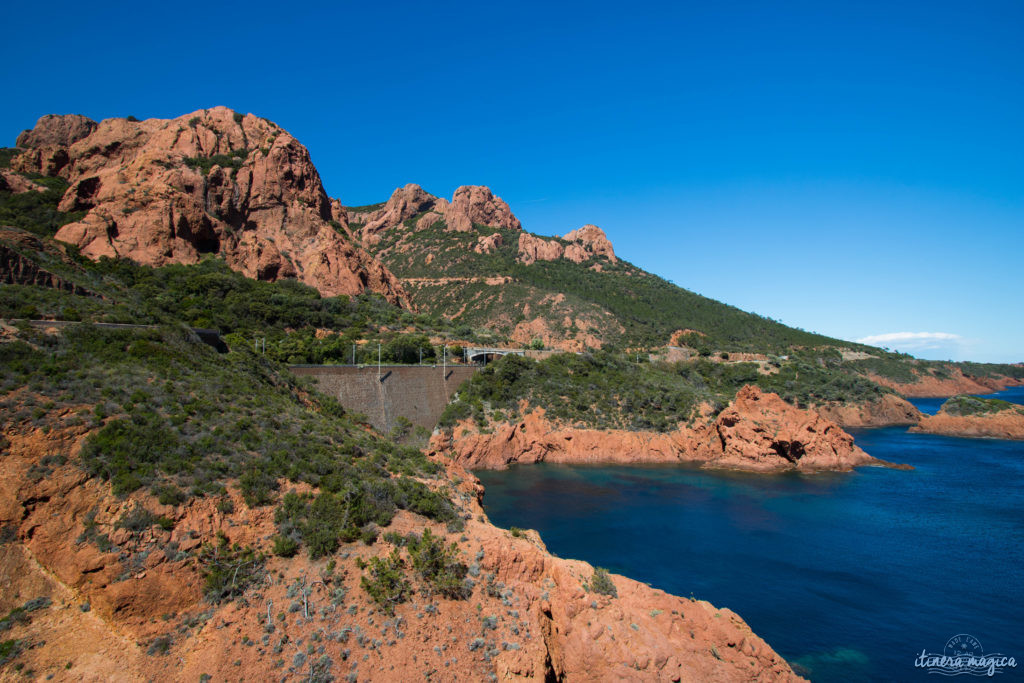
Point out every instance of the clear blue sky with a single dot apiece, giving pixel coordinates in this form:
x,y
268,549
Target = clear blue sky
x,y
855,169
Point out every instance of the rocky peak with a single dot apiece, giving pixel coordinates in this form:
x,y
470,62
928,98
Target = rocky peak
x,y
593,240
404,203
471,204
477,204
56,130
46,144
584,244
213,181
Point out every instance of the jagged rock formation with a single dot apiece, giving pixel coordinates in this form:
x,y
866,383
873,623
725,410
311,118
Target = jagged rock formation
x,y
583,244
888,411
486,244
471,204
533,249
757,432
211,182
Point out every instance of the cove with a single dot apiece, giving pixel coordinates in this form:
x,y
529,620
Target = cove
x,y
847,575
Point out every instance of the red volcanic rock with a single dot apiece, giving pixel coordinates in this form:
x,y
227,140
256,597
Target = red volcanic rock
x,y
16,184
404,203
53,130
593,240
543,623
887,411
476,204
758,431
485,244
533,248
584,244
18,267
471,204
47,144
1005,424
930,386
172,190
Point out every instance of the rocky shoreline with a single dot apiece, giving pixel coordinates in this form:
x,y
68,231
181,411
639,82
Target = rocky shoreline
x,y
758,432
973,417
957,383
101,621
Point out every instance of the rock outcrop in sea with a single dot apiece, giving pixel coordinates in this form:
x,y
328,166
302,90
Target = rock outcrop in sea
x,y
971,416
757,432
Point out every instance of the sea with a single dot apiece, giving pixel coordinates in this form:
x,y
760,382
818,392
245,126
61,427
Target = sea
x,y
849,576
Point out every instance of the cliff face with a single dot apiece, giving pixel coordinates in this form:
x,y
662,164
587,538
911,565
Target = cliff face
x,y
530,617
958,383
211,182
995,423
757,432
888,411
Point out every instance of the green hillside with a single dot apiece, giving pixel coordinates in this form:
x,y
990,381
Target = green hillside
x,y
616,303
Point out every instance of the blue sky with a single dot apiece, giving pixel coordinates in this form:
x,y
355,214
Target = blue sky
x,y
855,169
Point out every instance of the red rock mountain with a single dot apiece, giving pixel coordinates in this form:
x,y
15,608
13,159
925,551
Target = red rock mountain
x,y
211,182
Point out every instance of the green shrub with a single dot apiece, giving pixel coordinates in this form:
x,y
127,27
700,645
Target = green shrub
x,y
438,566
228,570
965,405
385,582
285,546
135,520
601,582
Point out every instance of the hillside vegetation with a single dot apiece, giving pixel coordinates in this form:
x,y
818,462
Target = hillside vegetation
x,y
172,415
618,304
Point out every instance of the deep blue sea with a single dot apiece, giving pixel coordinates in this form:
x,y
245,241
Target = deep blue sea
x,y
847,575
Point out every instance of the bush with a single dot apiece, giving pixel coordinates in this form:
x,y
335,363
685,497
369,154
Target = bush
x,y
965,405
439,567
385,581
135,520
285,546
127,451
601,582
228,570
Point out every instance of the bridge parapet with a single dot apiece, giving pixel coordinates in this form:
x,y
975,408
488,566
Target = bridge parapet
x,y
480,353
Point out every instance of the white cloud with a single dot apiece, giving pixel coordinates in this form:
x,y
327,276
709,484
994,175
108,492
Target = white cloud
x,y
918,339
922,344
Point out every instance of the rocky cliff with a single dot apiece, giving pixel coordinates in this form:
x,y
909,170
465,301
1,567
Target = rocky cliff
x,y
970,416
758,432
108,600
888,411
211,182
930,386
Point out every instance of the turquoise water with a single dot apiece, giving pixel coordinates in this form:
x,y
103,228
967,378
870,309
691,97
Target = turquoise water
x,y
848,575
